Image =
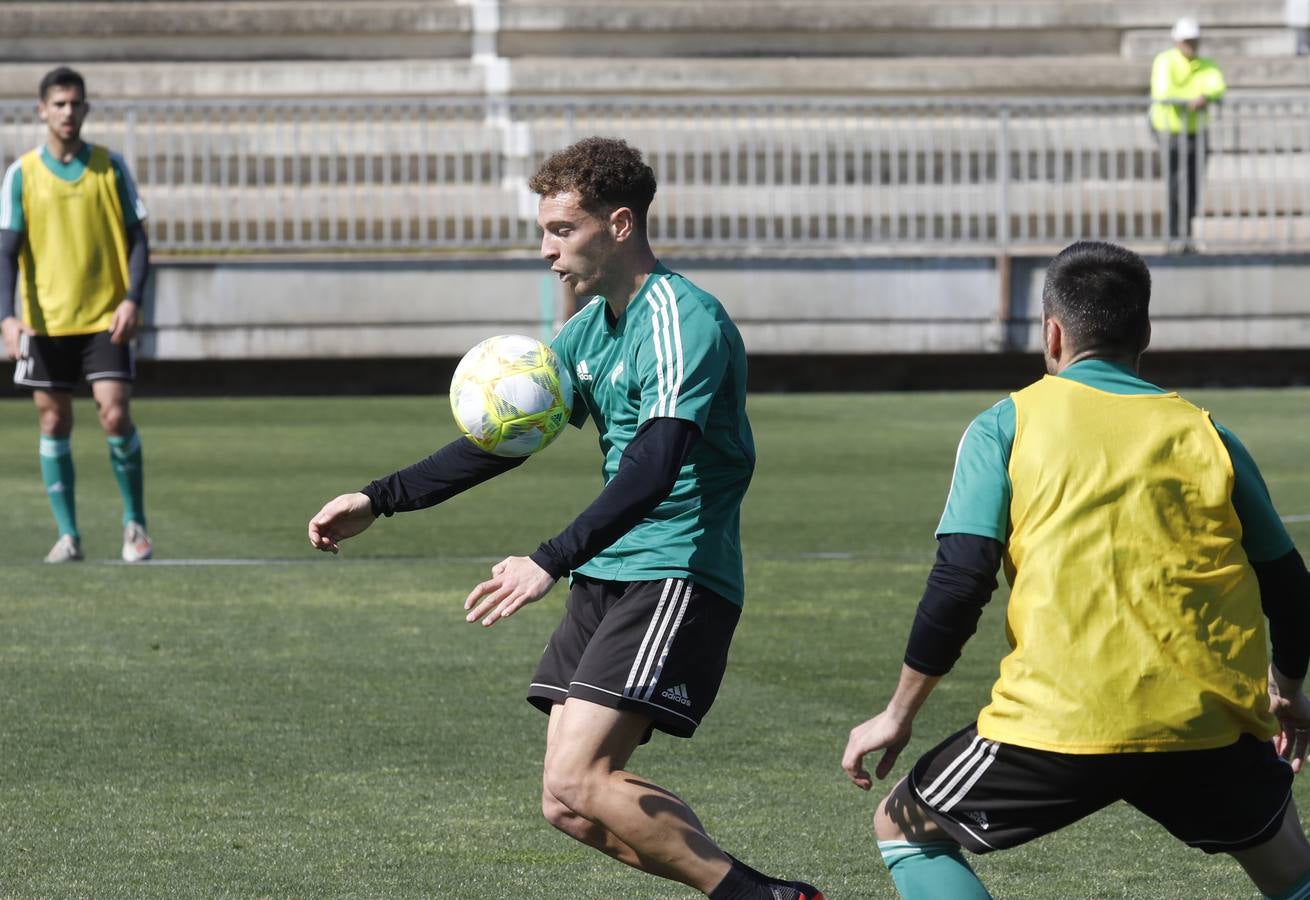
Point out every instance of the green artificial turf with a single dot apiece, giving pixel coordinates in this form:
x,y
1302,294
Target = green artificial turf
x,y
269,721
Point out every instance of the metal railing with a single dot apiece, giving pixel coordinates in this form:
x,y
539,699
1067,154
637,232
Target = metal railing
x,y
806,174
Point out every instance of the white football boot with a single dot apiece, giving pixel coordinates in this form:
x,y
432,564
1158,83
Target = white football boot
x,y
136,543
66,549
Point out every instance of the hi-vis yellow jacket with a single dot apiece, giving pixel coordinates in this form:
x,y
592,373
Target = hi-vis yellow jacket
x,y
1175,77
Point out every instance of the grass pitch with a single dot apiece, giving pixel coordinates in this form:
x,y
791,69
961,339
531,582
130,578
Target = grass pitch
x,y
249,718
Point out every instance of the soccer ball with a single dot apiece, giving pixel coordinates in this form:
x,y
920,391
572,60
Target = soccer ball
x,y
510,396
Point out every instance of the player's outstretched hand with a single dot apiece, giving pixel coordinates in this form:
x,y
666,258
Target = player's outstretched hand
x,y
12,328
340,518
1290,705
514,583
884,732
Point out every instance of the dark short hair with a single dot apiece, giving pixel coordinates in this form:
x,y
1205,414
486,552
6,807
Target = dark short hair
x,y
1101,294
63,77
606,173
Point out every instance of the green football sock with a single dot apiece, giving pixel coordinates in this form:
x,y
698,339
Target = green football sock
x,y
933,871
57,473
125,458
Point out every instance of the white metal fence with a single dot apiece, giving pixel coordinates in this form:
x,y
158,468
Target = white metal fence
x,y
824,175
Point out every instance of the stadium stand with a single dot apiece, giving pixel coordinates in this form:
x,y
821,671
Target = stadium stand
x,y
833,129
188,48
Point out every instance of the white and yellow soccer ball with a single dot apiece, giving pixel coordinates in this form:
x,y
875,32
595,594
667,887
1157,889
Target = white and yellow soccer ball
x,y
510,396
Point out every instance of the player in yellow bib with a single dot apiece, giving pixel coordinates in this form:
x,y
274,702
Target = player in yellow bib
x,y
71,226
1144,557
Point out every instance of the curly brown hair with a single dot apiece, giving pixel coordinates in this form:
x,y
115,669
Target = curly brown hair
x,y
606,173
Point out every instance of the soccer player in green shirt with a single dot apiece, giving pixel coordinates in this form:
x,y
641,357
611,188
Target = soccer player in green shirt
x,y
655,561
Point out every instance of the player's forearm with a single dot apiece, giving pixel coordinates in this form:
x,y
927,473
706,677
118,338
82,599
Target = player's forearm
x,y
646,474
138,263
452,470
960,585
912,690
10,243
1285,596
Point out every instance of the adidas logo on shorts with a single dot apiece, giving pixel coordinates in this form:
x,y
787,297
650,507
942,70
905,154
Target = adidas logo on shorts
x,y
677,695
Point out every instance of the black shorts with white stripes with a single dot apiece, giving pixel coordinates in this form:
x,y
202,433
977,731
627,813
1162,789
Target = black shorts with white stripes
x,y
990,796
60,363
655,647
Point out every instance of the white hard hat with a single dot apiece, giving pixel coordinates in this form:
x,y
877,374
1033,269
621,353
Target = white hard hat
x,y
1186,29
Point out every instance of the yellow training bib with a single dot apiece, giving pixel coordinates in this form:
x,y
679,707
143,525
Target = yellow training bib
x,y
74,261
1134,618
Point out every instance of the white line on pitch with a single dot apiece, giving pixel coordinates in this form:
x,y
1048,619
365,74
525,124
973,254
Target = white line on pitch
x,y
218,561
1305,518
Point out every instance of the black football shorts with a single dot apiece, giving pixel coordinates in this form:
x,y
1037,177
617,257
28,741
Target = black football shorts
x,y
59,363
990,796
655,647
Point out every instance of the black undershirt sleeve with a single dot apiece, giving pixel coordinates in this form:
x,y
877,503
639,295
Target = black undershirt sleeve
x,y
10,243
138,263
961,583
1285,597
647,472
453,469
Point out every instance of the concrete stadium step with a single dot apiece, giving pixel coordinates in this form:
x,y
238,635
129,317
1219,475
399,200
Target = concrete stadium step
x,y
271,29
260,79
676,151
372,201
1291,230
188,29
691,206
955,13
529,77
674,133
776,27
1216,42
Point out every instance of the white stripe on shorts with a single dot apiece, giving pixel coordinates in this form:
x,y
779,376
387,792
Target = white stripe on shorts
x,y
979,752
654,678
988,758
659,637
650,629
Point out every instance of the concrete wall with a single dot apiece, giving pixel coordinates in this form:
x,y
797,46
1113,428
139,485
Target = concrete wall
x,y
413,308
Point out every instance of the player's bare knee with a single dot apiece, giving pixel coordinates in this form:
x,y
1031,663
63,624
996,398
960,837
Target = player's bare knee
x,y
572,785
114,419
556,813
55,423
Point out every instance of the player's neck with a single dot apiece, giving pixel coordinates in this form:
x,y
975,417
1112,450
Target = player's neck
x,y
630,281
64,151
1128,362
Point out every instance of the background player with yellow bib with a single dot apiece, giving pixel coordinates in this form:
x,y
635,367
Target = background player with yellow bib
x,y
1144,556
71,225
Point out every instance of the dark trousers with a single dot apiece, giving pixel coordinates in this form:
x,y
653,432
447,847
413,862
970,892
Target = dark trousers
x,y
1184,158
